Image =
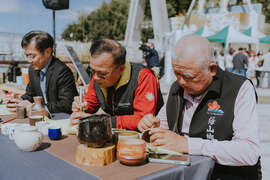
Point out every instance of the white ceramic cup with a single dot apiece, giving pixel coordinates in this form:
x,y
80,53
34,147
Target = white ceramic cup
x,y
42,127
5,128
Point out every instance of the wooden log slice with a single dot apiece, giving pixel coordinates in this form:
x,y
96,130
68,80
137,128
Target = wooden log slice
x,y
95,156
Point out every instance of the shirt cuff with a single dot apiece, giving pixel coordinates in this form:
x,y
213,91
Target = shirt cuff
x,y
195,146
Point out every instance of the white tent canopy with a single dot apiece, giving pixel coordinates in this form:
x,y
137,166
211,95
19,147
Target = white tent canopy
x,y
229,35
205,31
235,36
254,32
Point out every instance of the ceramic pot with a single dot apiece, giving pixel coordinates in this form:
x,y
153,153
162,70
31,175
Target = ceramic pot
x,y
131,151
35,118
38,109
20,112
95,130
118,135
146,135
127,135
27,138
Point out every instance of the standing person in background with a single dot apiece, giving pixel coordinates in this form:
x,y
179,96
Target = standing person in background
x,y
266,69
228,60
240,60
247,54
151,57
258,68
221,60
252,64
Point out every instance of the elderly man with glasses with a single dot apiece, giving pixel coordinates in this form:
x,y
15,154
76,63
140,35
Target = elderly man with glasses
x,y
125,90
209,112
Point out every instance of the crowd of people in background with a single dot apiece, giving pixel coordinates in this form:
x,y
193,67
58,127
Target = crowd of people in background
x,y
254,66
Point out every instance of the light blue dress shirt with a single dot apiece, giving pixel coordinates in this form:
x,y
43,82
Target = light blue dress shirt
x,y
42,75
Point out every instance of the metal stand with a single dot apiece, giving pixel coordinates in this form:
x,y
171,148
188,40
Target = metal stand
x,y
134,25
54,37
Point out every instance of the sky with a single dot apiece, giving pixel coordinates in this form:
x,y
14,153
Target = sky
x,y
22,16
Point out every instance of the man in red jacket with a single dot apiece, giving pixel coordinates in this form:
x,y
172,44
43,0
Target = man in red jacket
x,y
125,90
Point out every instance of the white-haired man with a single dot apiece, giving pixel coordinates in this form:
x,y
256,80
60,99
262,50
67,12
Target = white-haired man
x,y
209,112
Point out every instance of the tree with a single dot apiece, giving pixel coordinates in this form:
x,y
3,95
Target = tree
x,y
73,32
265,8
108,21
174,8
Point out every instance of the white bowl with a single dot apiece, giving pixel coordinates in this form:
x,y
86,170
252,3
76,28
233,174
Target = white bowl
x,y
27,138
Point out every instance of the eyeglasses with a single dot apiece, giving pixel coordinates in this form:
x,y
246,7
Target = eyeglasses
x,y
30,56
102,75
186,76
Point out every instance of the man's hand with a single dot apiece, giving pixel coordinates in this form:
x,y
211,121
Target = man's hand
x,y
75,116
77,106
148,121
168,140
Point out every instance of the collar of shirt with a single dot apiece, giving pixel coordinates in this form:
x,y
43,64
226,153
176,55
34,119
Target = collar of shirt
x,y
45,68
192,99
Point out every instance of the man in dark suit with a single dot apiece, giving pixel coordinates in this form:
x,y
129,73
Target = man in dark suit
x,y
49,77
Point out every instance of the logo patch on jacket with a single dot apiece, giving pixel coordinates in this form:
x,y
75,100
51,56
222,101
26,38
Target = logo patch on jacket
x,y
214,108
149,96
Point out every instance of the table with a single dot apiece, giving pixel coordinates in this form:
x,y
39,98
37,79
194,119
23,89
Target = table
x,y
56,160
18,165
13,87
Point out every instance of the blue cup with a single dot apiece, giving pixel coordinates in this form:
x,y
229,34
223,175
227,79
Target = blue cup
x,y
54,133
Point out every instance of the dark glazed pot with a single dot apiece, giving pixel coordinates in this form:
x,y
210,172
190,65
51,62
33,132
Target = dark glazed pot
x,y
95,130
